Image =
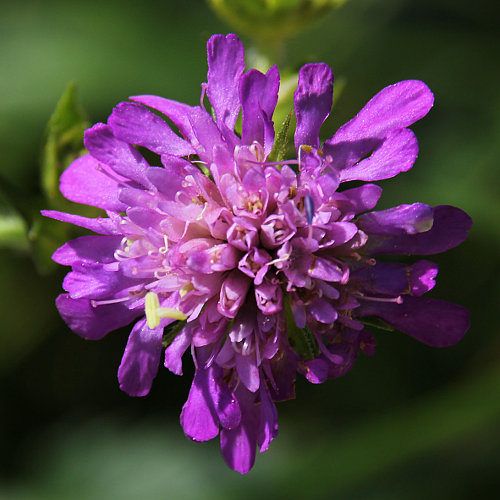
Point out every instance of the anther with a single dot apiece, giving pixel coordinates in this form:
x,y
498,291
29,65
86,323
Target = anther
x,y
154,313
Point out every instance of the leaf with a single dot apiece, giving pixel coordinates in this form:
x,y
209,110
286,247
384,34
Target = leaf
x,y
45,236
280,143
13,228
374,322
64,141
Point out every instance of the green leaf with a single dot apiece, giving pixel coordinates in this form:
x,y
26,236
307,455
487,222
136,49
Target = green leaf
x,y
13,227
280,144
171,331
45,236
64,141
13,232
374,322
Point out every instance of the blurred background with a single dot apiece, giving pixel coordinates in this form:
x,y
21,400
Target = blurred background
x,y
410,422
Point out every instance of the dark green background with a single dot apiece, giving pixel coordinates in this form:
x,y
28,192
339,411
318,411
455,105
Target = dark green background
x,y
411,422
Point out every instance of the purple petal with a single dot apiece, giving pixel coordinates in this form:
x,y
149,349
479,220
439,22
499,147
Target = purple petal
x,y
175,351
326,270
123,158
238,445
198,416
347,351
393,108
259,95
178,112
393,278
225,403
435,322
404,219
322,310
135,124
422,275
283,369
140,360
396,154
268,429
207,135
226,62
93,322
450,228
313,103
363,198
91,281
248,371
85,181
88,249
232,294
98,225
316,370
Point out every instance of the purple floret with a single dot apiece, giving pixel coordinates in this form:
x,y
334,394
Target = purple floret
x,y
260,269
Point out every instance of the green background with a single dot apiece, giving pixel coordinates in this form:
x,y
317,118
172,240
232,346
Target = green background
x,y
410,422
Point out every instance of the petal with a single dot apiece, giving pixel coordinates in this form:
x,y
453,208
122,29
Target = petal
x,y
198,416
98,225
363,198
396,154
226,62
326,270
93,322
207,135
268,429
225,403
85,181
123,158
450,228
248,371
88,249
322,311
175,351
259,95
435,322
316,370
422,275
404,219
140,360
313,102
92,281
178,112
135,124
393,278
394,107
238,445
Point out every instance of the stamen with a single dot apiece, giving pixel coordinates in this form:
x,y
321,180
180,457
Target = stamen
x,y
397,300
164,248
154,313
185,289
96,303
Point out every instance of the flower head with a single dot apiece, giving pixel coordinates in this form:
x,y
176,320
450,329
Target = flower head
x,y
261,269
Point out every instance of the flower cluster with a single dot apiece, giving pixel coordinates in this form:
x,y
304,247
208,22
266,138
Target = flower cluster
x,y
262,269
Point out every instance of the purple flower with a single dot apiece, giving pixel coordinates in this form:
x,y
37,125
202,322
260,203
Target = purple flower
x,y
262,269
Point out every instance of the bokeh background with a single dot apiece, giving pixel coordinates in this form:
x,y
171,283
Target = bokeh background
x,y
411,422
